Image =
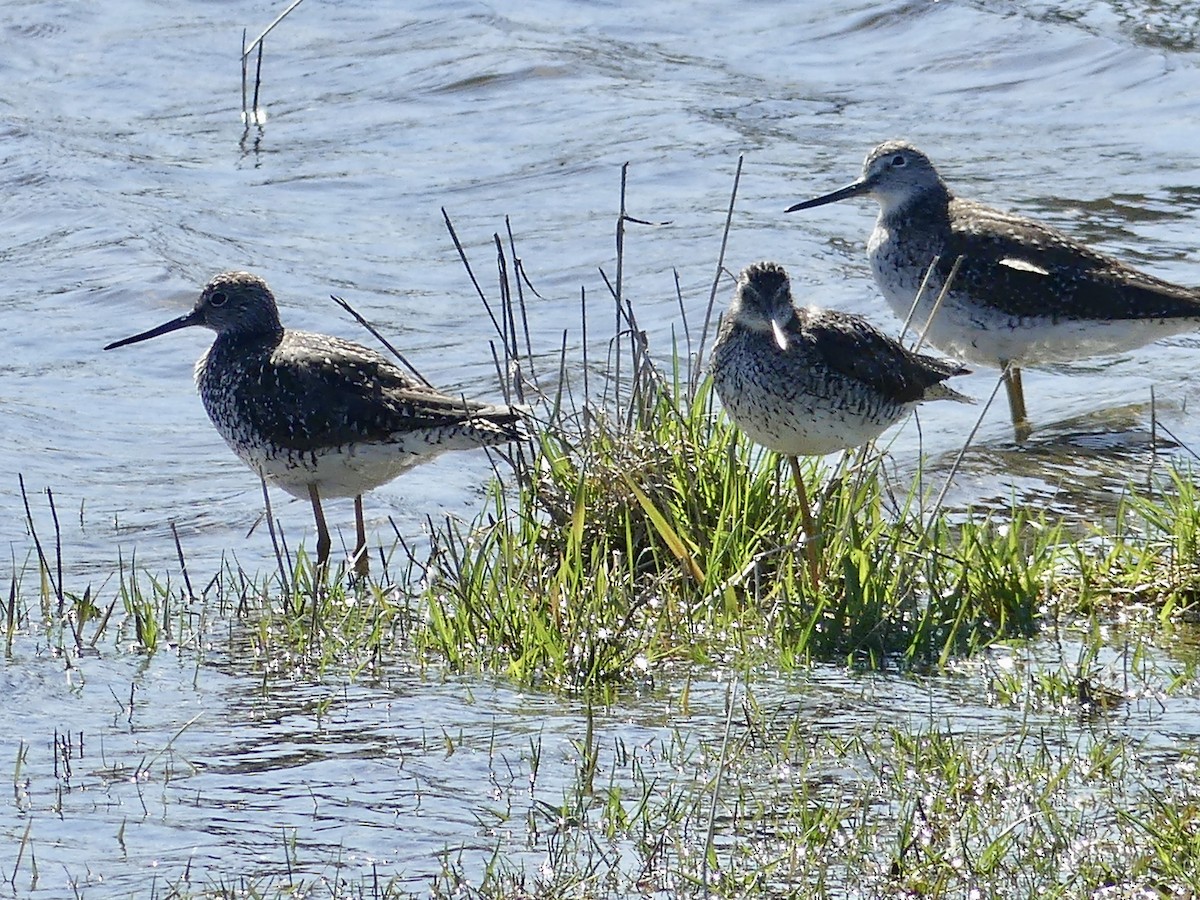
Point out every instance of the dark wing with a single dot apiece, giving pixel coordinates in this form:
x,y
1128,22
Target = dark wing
x,y
320,391
1027,269
857,349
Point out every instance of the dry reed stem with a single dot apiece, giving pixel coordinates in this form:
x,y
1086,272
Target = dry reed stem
x,y
462,255
912,310
187,582
247,49
279,18
712,295
379,337
937,304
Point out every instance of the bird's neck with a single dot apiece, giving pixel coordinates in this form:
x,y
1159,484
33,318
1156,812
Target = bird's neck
x,y
242,339
759,322
240,345
931,204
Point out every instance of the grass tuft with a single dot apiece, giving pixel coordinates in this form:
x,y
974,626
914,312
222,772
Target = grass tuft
x,y
644,530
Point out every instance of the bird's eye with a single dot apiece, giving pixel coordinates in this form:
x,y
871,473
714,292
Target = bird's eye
x,y
899,161
217,298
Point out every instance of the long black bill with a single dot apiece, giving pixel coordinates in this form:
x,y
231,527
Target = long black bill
x,y
853,189
192,318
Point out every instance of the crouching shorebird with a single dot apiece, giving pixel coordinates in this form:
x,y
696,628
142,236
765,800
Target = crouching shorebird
x,y
1024,293
808,382
317,415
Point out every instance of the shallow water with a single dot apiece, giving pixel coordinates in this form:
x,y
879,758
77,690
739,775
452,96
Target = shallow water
x,y
192,774
129,180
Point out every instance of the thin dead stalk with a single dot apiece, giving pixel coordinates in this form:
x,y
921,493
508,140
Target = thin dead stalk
x,y
253,114
712,294
344,304
37,543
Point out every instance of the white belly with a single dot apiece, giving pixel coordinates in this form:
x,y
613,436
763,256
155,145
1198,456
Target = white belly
x,y
809,432
971,335
341,472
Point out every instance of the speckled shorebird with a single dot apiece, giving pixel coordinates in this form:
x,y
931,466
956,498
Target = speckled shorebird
x,y
317,415
809,381
1024,293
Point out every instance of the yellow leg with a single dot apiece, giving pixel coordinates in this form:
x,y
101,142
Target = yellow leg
x,y
811,543
362,558
1016,400
323,542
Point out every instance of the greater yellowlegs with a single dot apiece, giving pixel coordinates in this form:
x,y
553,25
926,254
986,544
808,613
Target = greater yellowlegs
x,y
1024,293
809,381
317,415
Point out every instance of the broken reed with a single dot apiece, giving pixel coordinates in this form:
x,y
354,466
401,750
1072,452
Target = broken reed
x,y
252,113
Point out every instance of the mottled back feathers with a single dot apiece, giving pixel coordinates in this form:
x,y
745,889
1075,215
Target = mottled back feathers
x,y
813,381
1027,269
304,391
851,345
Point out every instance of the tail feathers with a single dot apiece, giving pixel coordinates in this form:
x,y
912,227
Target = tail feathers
x,y
501,423
939,367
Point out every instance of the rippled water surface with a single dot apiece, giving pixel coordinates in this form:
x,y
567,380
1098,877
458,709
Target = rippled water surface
x,y
129,180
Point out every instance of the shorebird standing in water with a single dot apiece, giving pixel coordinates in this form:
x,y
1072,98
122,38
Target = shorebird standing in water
x,y
809,381
1024,293
317,415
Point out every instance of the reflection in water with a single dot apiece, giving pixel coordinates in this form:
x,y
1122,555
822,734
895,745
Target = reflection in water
x,y
1077,468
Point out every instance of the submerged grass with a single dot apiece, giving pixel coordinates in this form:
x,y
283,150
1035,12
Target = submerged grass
x,y
926,809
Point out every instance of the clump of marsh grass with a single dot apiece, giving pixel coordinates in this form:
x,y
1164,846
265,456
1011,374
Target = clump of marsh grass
x,y
643,530
1150,554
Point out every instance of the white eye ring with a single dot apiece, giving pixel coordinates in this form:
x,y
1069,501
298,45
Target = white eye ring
x,y
218,299
899,161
